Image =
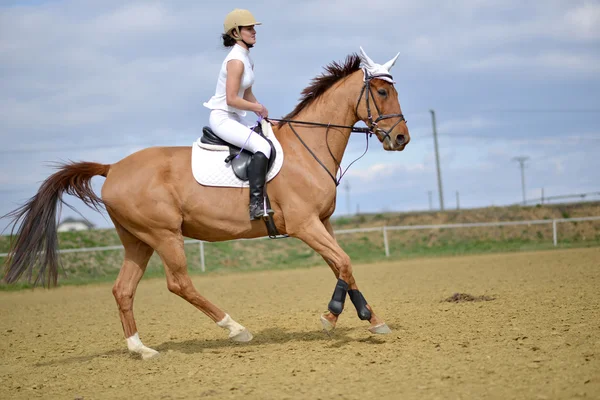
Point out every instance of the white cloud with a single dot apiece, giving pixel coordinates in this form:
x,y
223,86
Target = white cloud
x,y
467,124
16,178
534,38
75,75
381,170
559,166
584,20
140,18
544,63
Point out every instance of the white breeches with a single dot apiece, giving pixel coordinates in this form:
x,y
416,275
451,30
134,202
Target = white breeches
x,y
229,127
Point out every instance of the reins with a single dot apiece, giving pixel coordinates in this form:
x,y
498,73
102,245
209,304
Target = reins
x,y
353,129
368,131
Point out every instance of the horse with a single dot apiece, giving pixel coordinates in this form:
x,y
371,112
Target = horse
x,y
154,201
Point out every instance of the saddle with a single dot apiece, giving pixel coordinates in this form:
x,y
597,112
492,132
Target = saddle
x,y
238,159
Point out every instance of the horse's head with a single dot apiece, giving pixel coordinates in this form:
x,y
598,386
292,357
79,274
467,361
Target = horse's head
x,y
378,104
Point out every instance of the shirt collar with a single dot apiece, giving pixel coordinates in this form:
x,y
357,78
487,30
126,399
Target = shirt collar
x,y
242,48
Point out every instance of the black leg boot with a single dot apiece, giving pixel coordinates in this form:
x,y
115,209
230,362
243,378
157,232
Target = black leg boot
x,y
257,173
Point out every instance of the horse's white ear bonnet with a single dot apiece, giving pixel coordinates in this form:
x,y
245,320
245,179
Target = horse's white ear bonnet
x,y
377,70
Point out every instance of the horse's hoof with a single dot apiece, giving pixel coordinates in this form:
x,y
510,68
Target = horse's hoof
x,y
380,329
327,326
243,336
148,354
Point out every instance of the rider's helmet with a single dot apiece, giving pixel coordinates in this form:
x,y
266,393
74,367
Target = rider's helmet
x,y
237,18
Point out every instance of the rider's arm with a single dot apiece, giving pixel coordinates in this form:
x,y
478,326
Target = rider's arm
x,y
248,95
235,69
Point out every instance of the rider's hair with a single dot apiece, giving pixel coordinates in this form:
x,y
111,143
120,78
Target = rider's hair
x,y
228,41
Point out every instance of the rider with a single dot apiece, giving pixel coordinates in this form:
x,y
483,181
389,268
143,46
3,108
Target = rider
x,y
233,97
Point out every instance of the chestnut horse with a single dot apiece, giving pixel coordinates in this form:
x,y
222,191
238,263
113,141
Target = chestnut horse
x,y
154,201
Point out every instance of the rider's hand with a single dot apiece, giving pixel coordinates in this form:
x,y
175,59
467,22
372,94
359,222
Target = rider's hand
x,y
263,112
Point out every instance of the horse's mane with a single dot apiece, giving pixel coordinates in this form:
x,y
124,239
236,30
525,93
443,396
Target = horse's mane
x,y
334,72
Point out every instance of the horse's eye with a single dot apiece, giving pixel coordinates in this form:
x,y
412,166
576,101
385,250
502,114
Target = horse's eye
x,y
382,92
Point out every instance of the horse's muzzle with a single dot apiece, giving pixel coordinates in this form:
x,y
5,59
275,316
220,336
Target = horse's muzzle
x,y
398,143
401,140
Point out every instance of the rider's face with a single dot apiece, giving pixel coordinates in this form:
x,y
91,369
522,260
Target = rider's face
x,y
248,34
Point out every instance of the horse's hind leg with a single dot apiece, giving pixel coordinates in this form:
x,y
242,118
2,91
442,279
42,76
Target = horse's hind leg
x,y
178,281
137,254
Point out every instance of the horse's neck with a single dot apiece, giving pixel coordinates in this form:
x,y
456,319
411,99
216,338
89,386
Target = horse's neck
x,y
335,107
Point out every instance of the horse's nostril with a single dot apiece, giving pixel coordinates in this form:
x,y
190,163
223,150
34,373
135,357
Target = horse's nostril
x,y
400,139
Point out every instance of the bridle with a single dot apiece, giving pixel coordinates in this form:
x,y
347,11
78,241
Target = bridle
x,y
372,127
366,90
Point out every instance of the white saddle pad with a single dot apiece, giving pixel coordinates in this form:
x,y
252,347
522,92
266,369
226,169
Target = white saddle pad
x,y
209,168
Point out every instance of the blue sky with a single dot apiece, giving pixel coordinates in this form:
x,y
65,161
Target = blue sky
x,y
97,80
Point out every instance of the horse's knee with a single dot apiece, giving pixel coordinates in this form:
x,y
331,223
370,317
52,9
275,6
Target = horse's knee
x,y
344,261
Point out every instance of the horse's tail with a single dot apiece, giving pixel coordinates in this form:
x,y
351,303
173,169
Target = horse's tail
x,y
36,241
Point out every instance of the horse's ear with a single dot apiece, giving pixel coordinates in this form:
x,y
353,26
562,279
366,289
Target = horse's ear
x,y
388,65
365,59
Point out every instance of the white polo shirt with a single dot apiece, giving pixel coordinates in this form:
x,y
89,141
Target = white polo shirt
x,y
219,100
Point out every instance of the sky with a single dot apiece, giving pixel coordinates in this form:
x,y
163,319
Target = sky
x,y
97,80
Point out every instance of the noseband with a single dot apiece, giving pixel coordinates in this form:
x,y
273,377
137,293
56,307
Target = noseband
x,y
366,90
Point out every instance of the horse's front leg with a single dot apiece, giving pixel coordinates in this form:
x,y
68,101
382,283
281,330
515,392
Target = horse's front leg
x,y
363,309
319,237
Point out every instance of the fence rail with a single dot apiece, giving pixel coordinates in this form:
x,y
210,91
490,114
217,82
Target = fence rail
x,y
384,230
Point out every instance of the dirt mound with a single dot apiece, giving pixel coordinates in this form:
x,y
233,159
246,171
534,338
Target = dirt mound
x,y
463,297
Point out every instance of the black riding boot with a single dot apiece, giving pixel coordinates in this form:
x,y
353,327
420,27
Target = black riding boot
x,y
257,173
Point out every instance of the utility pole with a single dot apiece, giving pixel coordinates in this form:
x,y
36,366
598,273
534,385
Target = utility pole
x,y
437,160
347,187
542,195
430,193
457,201
521,160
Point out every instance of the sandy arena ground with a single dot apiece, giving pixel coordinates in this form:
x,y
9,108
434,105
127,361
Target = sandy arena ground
x,y
539,339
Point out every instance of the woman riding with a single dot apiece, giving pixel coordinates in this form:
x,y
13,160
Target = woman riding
x,y
233,97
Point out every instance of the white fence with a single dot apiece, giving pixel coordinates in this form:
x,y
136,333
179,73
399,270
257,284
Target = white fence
x,y
384,230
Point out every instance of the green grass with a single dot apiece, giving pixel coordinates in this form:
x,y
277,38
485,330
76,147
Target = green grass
x,y
255,255
223,258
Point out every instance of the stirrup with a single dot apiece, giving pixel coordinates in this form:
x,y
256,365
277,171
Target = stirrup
x,y
265,212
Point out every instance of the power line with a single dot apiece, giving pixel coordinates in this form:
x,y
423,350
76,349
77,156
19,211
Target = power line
x,y
83,147
540,110
563,137
17,190
512,110
454,135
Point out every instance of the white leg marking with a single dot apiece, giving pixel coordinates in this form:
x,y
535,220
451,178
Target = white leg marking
x,y
135,345
236,331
